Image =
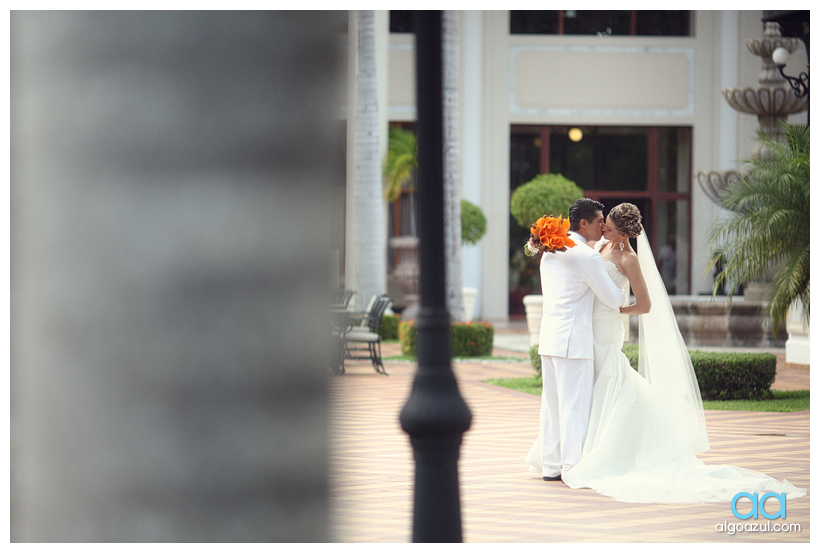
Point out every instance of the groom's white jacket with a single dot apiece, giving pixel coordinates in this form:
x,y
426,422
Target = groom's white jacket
x,y
570,281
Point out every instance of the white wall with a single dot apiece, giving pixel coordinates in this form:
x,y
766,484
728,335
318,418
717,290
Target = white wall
x,y
472,54
496,168
552,79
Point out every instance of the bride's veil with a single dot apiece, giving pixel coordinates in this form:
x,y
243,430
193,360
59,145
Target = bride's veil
x,y
664,358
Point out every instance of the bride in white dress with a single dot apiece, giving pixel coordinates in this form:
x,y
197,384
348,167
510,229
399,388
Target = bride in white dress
x,y
645,427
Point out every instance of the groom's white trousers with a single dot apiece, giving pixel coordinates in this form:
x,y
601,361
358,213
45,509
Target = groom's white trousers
x,y
566,399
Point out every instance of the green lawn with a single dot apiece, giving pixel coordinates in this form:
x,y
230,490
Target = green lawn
x,y
782,402
530,384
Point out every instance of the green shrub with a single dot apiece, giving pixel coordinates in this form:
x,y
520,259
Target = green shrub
x,y
407,337
389,329
473,339
546,194
631,352
724,376
473,223
535,360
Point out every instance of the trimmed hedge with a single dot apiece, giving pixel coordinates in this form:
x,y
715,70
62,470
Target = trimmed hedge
x,y
721,376
474,339
389,329
535,359
407,337
734,375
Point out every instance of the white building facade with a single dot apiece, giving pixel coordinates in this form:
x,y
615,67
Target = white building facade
x,y
649,107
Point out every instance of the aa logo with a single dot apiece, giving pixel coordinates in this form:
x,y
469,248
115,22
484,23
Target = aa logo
x,y
758,506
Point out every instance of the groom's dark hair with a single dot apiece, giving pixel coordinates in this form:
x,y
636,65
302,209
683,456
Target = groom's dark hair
x,y
584,209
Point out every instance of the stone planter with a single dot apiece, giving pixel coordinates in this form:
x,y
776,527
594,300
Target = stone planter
x,y
468,298
534,308
707,322
406,273
797,346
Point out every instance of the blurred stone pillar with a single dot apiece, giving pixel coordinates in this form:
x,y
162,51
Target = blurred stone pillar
x,y
170,176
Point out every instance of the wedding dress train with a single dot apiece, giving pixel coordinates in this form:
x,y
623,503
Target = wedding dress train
x,y
646,426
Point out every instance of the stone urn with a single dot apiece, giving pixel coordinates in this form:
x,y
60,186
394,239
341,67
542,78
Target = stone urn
x,y
406,272
797,346
534,307
469,298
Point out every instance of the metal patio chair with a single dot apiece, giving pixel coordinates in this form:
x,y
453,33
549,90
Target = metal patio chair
x,y
366,336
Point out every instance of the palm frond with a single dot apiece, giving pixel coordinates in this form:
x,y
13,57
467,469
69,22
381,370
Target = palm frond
x,y
400,162
767,232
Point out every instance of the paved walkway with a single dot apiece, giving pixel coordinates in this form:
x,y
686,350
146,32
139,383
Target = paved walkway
x,y
372,467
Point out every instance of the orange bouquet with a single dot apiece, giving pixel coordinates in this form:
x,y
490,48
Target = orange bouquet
x,y
549,234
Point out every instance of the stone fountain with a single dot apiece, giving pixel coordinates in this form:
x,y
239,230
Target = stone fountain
x,y
772,102
702,321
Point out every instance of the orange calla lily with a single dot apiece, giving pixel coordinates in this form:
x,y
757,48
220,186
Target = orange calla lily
x,y
549,234
565,225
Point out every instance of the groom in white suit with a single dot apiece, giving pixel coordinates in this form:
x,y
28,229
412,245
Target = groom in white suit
x,y
570,280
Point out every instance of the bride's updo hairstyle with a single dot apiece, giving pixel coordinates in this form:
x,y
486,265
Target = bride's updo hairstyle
x,y
627,219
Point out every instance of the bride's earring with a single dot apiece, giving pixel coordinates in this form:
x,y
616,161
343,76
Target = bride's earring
x,y
622,245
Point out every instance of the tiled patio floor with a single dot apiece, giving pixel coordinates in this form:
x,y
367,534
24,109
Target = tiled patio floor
x,y
501,501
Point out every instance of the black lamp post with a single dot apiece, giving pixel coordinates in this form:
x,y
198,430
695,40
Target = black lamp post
x,y
793,23
800,84
435,416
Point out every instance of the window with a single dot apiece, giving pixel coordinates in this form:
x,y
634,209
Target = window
x,y
534,22
600,158
647,166
601,22
597,22
402,21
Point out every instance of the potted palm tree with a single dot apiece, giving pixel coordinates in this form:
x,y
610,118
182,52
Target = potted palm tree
x,y
546,194
767,230
399,173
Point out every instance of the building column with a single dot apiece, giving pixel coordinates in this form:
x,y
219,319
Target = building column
x,y
471,124
495,285
366,209
169,200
